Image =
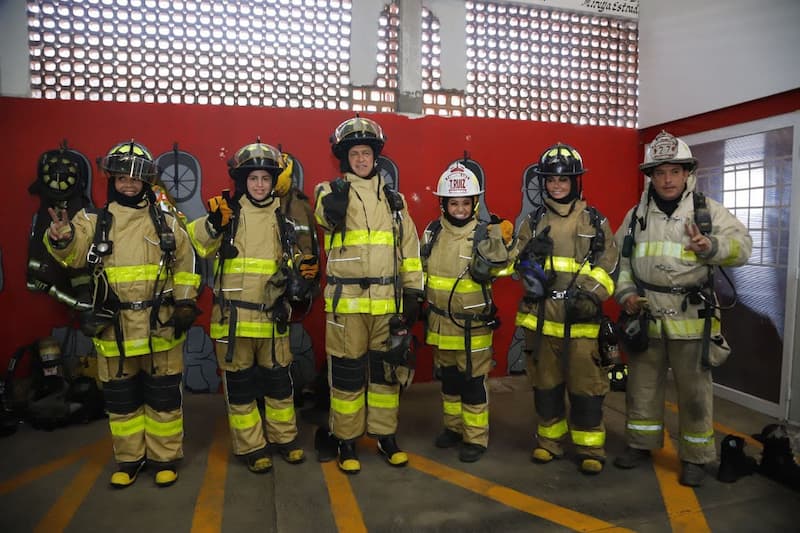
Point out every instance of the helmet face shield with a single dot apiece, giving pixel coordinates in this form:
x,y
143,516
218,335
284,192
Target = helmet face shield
x,y
130,159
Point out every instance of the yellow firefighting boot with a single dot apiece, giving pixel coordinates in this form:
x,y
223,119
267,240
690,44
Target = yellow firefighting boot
x,y
126,474
348,458
291,452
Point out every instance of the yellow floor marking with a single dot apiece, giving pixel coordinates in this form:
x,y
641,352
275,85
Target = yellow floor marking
x,y
683,509
37,472
63,510
512,498
722,428
344,506
210,501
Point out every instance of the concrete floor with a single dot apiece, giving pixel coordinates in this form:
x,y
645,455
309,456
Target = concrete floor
x,y
58,481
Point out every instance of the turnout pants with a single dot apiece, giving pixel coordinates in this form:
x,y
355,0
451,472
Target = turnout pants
x,y
647,376
144,405
257,371
364,396
465,398
584,381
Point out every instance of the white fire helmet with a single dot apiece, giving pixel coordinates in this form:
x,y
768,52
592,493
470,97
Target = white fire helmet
x,y
666,148
458,181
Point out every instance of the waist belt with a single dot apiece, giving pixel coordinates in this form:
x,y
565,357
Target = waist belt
x,y
671,290
485,317
363,282
143,304
234,305
241,304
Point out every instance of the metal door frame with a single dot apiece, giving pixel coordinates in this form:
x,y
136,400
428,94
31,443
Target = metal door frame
x,y
790,359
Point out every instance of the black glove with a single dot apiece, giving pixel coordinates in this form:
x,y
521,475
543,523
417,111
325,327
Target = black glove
x,y
540,247
411,306
582,306
334,204
183,316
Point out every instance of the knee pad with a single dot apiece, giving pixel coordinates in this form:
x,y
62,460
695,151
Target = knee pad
x,y
452,380
474,391
585,411
163,393
550,402
277,383
376,369
123,396
347,374
242,386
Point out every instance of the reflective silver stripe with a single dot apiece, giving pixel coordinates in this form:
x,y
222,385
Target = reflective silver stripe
x,y
644,427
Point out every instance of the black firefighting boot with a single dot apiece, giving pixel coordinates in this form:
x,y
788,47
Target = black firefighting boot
x,y
387,446
632,458
470,453
447,439
291,452
734,463
777,458
327,445
692,474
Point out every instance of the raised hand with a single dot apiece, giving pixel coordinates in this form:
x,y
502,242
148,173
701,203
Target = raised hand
x,y
698,243
60,229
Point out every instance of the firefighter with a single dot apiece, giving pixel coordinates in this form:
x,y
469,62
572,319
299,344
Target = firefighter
x,y
145,287
254,248
567,257
461,257
374,277
670,244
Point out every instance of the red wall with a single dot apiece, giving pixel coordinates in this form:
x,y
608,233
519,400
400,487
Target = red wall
x,y
421,148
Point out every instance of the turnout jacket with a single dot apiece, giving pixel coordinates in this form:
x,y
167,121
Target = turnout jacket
x,y
134,274
450,289
572,233
255,277
377,249
659,259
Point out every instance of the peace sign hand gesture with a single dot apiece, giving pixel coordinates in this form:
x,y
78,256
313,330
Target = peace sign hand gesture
x,y
698,243
60,229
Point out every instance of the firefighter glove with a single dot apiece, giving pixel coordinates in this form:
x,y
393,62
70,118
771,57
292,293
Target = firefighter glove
x,y
309,267
506,228
334,203
219,213
541,246
411,306
533,279
284,180
183,317
582,306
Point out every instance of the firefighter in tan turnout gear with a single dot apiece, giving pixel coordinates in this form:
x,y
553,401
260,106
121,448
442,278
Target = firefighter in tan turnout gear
x,y
671,241
374,285
255,251
461,257
145,286
567,256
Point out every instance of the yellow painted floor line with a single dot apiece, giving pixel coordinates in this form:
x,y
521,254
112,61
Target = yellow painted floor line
x,y
211,500
722,428
32,474
512,498
683,509
63,510
344,506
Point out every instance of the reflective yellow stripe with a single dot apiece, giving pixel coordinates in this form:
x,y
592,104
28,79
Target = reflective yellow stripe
x,y
733,255
126,274
556,329
248,265
366,306
258,330
456,342
108,348
645,426
588,438
280,415
411,264
571,266
687,328
383,400
451,408
359,238
186,278
202,250
163,429
440,283
663,249
127,427
347,407
245,421
699,439
503,272
476,420
554,432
